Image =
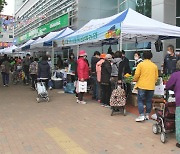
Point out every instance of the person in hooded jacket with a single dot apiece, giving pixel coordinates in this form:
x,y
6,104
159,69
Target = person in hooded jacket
x,y
44,70
106,70
115,67
98,72
82,72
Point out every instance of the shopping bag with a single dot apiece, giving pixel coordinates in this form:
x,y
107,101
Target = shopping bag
x,y
69,88
159,89
81,86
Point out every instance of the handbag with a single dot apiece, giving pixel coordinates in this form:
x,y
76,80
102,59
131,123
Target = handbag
x,y
81,87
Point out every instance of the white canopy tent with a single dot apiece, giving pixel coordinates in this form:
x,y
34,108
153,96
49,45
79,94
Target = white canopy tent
x,y
24,45
134,27
8,50
48,39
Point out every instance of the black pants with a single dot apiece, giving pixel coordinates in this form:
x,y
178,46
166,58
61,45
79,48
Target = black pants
x,y
106,94
80,96
34,80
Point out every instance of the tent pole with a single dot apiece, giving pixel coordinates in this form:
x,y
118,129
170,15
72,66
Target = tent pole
x,y
78,47
52,57
121,42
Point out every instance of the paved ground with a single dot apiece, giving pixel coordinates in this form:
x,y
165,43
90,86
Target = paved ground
x,y
63,126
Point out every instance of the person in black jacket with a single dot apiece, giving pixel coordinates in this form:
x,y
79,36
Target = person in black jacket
x,y
94,60
123,67
122,70
170,61
44,70
106,70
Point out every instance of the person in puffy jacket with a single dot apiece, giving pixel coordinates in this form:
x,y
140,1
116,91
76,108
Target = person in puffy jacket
x,y
82,72
106,70
44,70
98,72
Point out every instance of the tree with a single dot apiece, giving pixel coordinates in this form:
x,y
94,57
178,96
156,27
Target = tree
x,y
2,4
144,7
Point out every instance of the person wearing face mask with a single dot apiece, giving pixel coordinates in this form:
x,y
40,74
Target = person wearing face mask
x,y
170,61
82,72
138,59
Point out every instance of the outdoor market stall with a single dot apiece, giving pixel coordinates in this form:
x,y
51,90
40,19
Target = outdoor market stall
x,y
128,26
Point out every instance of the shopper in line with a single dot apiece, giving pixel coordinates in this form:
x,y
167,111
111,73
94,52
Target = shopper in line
x,y
5,70
98,71
115,67
94,60
26,64
106,70
170,61
174,84
33,69
82,72
146,76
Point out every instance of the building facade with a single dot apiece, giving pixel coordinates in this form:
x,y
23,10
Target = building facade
x,y
6,31
33,15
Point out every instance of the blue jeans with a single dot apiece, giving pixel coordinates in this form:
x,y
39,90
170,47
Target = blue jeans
x,y
145,97
5,77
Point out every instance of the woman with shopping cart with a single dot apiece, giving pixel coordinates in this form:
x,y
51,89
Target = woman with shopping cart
x,y
44,70
174,84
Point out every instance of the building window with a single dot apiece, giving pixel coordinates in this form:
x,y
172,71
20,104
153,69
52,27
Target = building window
x,y
10,36
178,22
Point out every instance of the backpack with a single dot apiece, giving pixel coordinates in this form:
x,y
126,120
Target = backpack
x,y
118,97
3,68
33,68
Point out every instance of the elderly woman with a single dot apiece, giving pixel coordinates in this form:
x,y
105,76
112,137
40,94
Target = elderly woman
x,y
174,84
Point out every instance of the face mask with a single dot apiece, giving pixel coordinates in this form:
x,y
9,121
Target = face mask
x,y
85,57
169,52
49,59
136,58
72,57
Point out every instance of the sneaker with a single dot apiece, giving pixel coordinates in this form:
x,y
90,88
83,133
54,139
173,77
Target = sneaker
x,y
77,101
50,88
178,145
102,105
140,118
147,117
99,101
7,85
107,106
82,102
4,85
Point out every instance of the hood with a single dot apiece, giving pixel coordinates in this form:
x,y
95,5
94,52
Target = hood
x,y
100,62
117,60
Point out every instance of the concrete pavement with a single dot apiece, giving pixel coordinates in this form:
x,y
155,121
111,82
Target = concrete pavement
x,y
63,126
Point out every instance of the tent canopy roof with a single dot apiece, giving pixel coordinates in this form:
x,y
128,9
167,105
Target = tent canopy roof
x,y
135,27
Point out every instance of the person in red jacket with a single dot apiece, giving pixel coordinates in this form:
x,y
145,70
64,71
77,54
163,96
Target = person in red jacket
x,y
82,72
